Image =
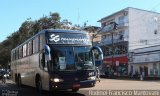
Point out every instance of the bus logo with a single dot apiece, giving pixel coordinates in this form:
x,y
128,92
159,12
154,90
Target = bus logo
x,y
54,38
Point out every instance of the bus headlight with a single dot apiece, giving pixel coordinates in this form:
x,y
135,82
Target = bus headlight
x,y
92,78
5,75
56,80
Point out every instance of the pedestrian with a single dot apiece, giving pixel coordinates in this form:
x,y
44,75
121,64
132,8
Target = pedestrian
x,y
3,77
97,74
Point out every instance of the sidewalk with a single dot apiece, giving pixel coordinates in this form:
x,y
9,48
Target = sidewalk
x,y
123,84
136,79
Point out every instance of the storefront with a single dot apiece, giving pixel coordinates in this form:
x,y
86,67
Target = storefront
x,y
146,62
116,65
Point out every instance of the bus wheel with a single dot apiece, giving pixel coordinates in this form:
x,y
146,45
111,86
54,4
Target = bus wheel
x,y
19,83
75,89
39,84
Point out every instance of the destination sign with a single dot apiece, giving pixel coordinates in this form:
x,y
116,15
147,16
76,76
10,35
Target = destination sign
x,y
68,38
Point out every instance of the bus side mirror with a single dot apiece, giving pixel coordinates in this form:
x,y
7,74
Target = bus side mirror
x,y
98,55
47,53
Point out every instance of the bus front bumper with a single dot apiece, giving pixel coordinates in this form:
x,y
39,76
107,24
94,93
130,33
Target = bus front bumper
x,y
72,85
87,83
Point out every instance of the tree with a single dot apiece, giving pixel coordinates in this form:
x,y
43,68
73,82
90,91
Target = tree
x,y
36,27
65,24
93,32
28,28
54,21
5,48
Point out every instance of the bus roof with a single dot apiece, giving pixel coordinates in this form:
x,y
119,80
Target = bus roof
x,y
52,30
61,31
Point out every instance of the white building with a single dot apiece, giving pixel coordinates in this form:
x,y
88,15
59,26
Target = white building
x,y
137,28
146,60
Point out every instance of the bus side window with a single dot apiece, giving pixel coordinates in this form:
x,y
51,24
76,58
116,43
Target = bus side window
x,y
41,42
24,50
16,54
30,47
20,52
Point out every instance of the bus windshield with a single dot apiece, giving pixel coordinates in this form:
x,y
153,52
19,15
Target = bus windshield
x,y
71,58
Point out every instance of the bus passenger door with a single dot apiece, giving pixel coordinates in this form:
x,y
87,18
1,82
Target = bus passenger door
x,y
98,58
44,71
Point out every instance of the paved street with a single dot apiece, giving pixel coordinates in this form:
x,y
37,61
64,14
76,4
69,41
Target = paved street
x,y
105,84
115,84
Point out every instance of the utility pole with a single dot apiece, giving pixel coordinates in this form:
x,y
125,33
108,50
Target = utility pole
x,y
112,49
114,24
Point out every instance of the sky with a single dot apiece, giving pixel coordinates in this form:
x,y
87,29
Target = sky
x,y
14,12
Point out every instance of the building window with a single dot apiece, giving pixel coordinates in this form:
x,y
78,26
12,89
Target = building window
x,y
121,37
121,20
120,49
104,36
103,24
155,32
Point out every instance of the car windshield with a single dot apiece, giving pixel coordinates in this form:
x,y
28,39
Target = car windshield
x,y
71,58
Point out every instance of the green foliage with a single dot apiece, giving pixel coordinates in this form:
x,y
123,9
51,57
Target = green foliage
x,y
27,29
5,47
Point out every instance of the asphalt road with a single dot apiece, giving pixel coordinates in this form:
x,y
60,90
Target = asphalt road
x,y
10,89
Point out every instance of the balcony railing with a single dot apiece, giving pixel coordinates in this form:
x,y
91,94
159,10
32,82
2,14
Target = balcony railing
x,y
108,41
109,28
124,24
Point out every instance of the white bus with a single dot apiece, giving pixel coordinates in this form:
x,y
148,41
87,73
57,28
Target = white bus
x,y
55,60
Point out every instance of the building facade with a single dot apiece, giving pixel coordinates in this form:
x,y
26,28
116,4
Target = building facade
x,y
145,61
136,28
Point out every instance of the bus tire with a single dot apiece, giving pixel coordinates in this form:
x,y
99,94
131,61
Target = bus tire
x,y
75,89
16,78
19,83
39,84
